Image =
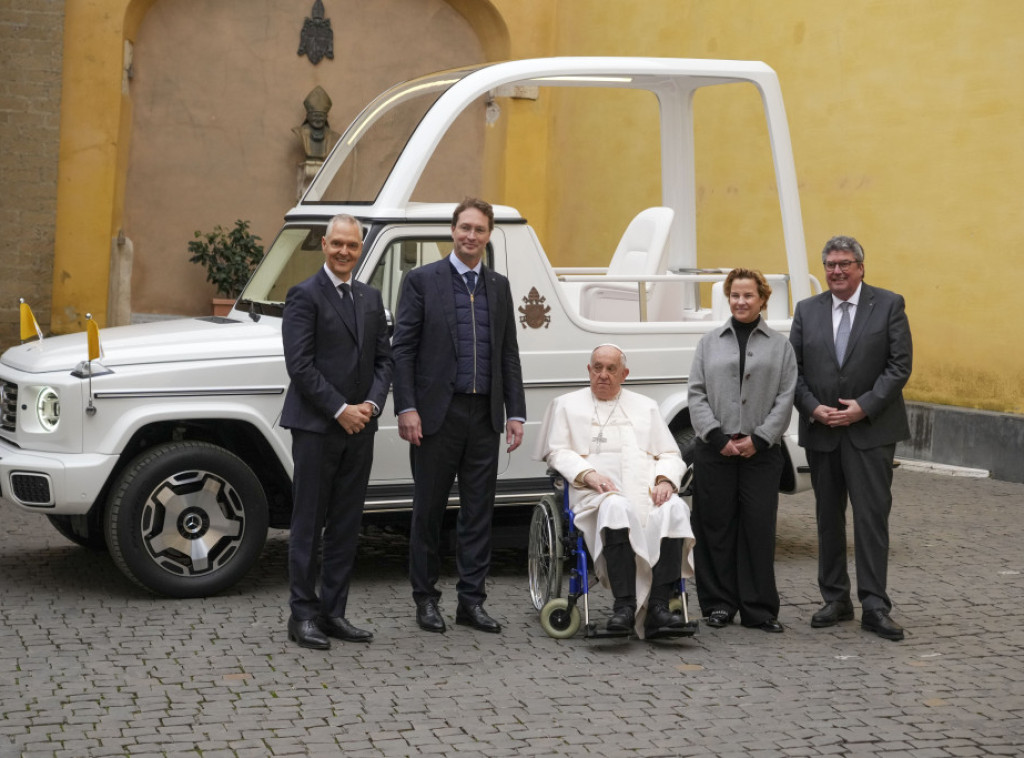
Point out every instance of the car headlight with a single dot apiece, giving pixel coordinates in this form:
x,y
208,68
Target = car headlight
x,y
48,408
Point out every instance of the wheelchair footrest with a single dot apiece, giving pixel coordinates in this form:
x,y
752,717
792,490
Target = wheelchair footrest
x,y
593,631
666,632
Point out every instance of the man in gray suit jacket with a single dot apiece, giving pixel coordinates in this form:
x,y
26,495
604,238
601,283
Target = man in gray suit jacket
x,y
338,357
854,354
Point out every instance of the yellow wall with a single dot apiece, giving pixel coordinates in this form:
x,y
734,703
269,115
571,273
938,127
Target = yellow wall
x,y
93,155
905,119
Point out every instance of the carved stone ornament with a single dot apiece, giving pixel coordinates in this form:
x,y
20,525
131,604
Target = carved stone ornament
x,y
535,313
317,38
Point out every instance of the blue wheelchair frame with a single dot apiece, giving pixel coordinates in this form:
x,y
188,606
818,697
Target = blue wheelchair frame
x,y
561,618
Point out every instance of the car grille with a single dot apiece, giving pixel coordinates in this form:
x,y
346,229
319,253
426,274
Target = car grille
x,y
8,406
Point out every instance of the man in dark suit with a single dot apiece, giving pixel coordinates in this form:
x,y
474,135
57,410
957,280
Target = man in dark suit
x,y
457,373
854,353
339,360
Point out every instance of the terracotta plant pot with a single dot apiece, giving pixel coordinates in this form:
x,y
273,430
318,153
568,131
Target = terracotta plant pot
x,y
222,306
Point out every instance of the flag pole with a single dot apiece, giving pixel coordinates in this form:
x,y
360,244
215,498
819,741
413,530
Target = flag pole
x,y
92,345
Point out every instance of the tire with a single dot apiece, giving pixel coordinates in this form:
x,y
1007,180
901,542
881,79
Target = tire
x,y
559,622
545,551
85,530
186,519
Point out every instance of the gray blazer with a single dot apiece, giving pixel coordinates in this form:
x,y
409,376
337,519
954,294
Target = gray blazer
x,y
762,405
877,366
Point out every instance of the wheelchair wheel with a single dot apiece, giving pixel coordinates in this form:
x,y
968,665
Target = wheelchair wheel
x,y
558,621
545,552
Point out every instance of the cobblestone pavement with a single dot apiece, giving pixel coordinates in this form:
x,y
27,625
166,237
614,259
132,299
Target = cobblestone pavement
x,y
90,665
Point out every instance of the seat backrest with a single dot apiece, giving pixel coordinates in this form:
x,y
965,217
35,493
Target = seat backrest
x,y
642,248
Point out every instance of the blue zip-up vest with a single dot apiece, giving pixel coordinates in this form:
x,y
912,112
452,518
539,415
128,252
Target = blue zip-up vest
x,y
474,331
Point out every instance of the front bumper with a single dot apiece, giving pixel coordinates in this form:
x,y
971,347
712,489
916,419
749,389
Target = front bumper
x,y
52,483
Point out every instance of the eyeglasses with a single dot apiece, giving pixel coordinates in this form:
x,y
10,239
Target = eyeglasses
x,y
843,266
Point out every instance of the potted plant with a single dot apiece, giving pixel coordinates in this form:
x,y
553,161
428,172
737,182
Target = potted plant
x,y
229,258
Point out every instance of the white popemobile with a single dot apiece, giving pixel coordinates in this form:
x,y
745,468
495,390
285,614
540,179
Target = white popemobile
x,y
167,450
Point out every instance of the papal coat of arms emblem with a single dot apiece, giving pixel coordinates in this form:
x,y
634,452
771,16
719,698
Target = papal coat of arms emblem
x,y
535,313
317,38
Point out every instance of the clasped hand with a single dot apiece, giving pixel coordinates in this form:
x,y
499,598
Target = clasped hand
x,y
741,446
355,417
829,416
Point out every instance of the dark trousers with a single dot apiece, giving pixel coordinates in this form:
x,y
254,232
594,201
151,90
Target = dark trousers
x,y
735,507
866,476
620,562
329,490
465,447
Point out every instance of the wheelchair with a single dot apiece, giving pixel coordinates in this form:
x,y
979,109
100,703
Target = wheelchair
x,y
554,543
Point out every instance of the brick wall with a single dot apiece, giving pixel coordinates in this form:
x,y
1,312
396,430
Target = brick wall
x,y
31,40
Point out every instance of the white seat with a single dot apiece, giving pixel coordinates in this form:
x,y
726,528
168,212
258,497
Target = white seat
x,y
642,251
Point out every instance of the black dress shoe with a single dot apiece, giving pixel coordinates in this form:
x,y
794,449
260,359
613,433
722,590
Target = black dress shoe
x,y
622,620
339,628
306,634
476,617
660,617
832,613
878,621
718,618
429,617
772,625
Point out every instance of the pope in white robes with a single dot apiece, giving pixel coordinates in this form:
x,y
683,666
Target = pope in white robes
x,y
623,466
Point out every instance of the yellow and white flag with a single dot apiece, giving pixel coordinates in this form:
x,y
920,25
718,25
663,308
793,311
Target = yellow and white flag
x,y
29,325
92,330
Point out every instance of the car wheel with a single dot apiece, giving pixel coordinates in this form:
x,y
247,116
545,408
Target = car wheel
x,y
186,519
85,530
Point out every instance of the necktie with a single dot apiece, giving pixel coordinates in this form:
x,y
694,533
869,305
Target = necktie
x,y
471,281
348,306
843,333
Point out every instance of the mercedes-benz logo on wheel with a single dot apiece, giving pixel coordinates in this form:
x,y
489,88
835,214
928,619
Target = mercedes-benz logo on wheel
x,y
192,523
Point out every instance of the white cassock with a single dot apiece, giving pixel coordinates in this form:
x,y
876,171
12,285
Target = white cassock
x,y
627,441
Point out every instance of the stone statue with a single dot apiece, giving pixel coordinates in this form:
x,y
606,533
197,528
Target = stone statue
x,y
317,136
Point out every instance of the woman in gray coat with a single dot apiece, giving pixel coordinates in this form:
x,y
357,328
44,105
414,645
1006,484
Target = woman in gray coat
x,y
741,399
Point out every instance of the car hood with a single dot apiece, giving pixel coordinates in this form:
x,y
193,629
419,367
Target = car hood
x,y
194,339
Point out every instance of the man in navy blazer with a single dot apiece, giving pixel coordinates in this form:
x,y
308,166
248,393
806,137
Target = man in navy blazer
x,y
339,360
854,353
457,374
